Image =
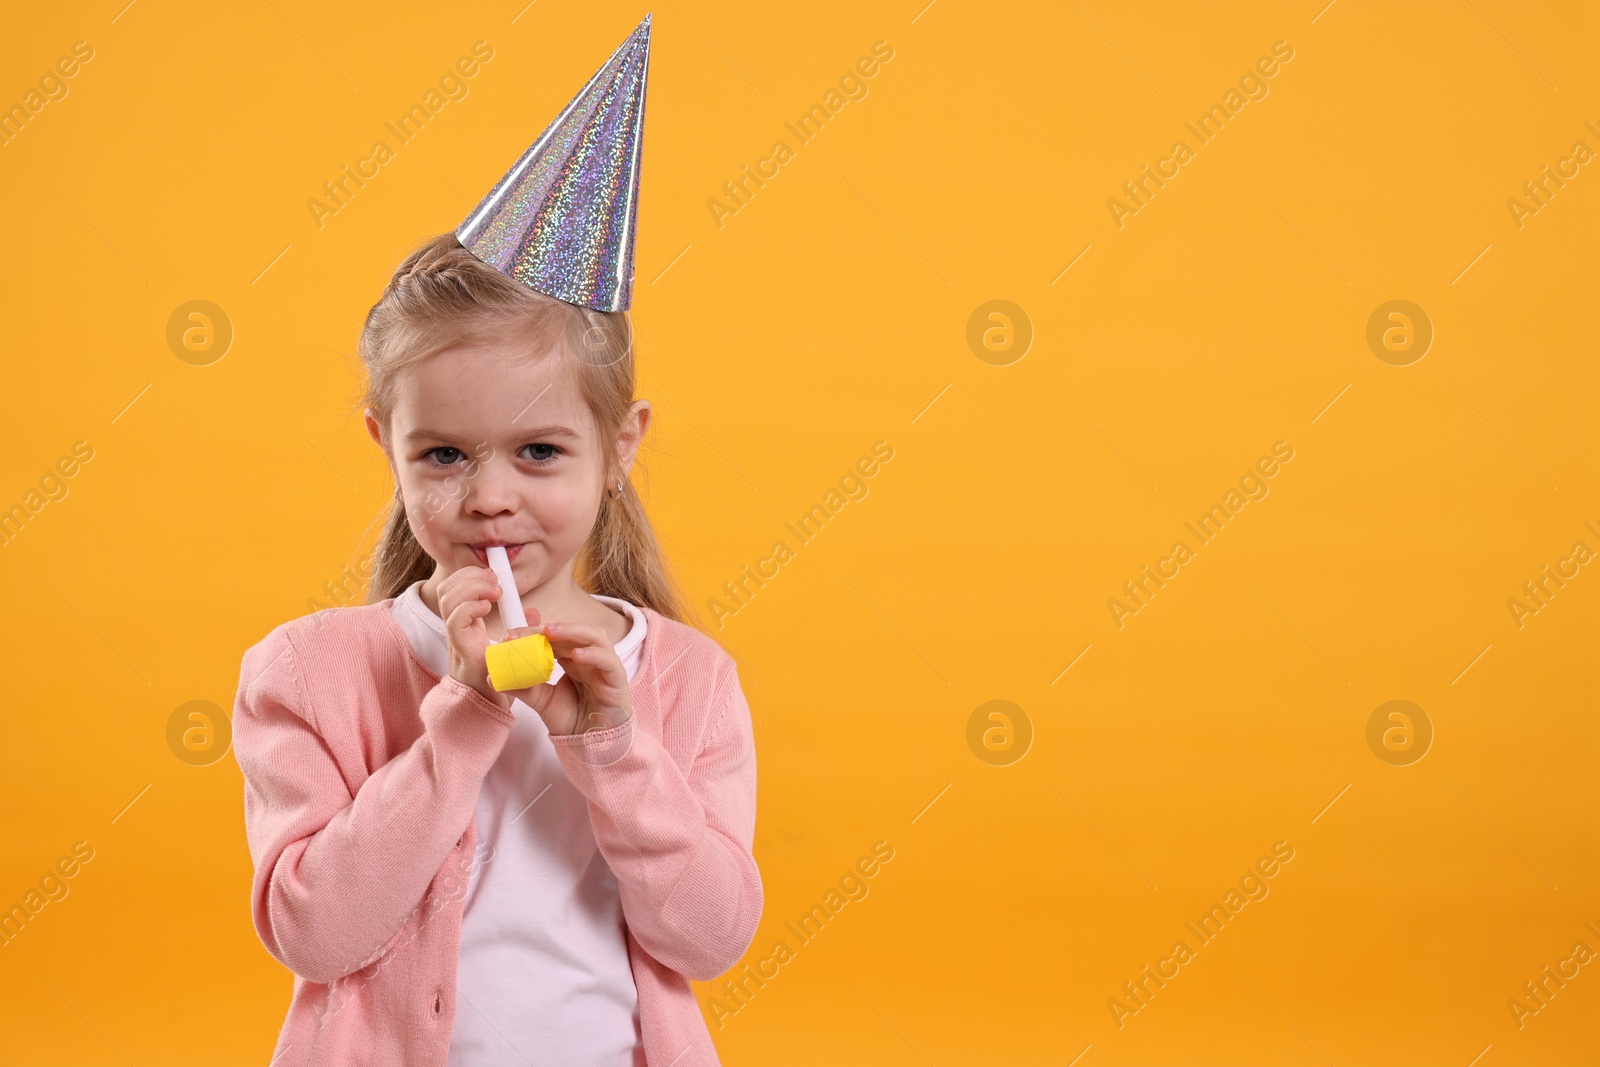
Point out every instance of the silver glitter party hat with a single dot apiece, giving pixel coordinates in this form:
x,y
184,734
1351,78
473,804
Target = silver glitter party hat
x,y
561,220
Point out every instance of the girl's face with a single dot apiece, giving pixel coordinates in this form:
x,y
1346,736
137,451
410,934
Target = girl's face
x,y
493,445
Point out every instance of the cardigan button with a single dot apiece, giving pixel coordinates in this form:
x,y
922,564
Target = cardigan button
x,y
436,1002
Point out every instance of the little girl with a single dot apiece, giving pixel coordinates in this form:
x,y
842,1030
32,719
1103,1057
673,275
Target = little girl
x,y
463,877
454,876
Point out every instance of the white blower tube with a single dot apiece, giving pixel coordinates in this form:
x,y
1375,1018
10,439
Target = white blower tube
x,y
511,613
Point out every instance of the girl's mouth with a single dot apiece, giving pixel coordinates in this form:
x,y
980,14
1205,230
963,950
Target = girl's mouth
x,y
512,552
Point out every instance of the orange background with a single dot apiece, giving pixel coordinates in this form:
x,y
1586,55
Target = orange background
x,y
1035,869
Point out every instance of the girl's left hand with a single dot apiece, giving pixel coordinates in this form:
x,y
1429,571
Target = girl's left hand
x,y
593,691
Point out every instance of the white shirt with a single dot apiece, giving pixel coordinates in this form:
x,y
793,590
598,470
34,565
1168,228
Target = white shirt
x,y
543,976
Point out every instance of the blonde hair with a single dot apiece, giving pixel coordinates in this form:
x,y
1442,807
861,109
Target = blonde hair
x,y
442,296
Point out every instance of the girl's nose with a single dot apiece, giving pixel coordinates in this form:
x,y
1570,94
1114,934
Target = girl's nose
x,y
490,493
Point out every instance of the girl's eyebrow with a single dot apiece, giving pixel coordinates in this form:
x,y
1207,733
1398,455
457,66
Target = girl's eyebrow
x,y
422,433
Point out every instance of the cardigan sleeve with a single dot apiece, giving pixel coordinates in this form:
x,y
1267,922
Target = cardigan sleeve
x,y
679,845
339,873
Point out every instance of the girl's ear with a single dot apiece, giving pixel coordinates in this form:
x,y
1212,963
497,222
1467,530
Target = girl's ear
x,y
375,430
634,425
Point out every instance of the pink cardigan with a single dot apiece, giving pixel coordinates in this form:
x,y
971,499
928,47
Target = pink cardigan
x,y
362,769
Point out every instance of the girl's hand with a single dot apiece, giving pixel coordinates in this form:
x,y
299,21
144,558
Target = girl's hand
x,y
593,691
466,596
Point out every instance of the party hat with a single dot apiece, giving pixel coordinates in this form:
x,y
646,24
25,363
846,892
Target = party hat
x,y
561,220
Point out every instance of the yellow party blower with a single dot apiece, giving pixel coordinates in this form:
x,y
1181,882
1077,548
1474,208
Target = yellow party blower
x,y
525,661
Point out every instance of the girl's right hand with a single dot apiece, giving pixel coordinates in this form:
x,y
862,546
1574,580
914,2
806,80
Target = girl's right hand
x,y
466,597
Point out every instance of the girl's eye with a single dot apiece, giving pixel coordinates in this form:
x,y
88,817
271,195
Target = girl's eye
x,y
430,455
550,457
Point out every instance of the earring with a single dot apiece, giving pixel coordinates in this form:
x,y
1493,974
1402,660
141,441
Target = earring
x,y
397,493
618,493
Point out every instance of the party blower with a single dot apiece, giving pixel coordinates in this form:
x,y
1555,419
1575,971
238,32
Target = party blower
x,y
523,661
